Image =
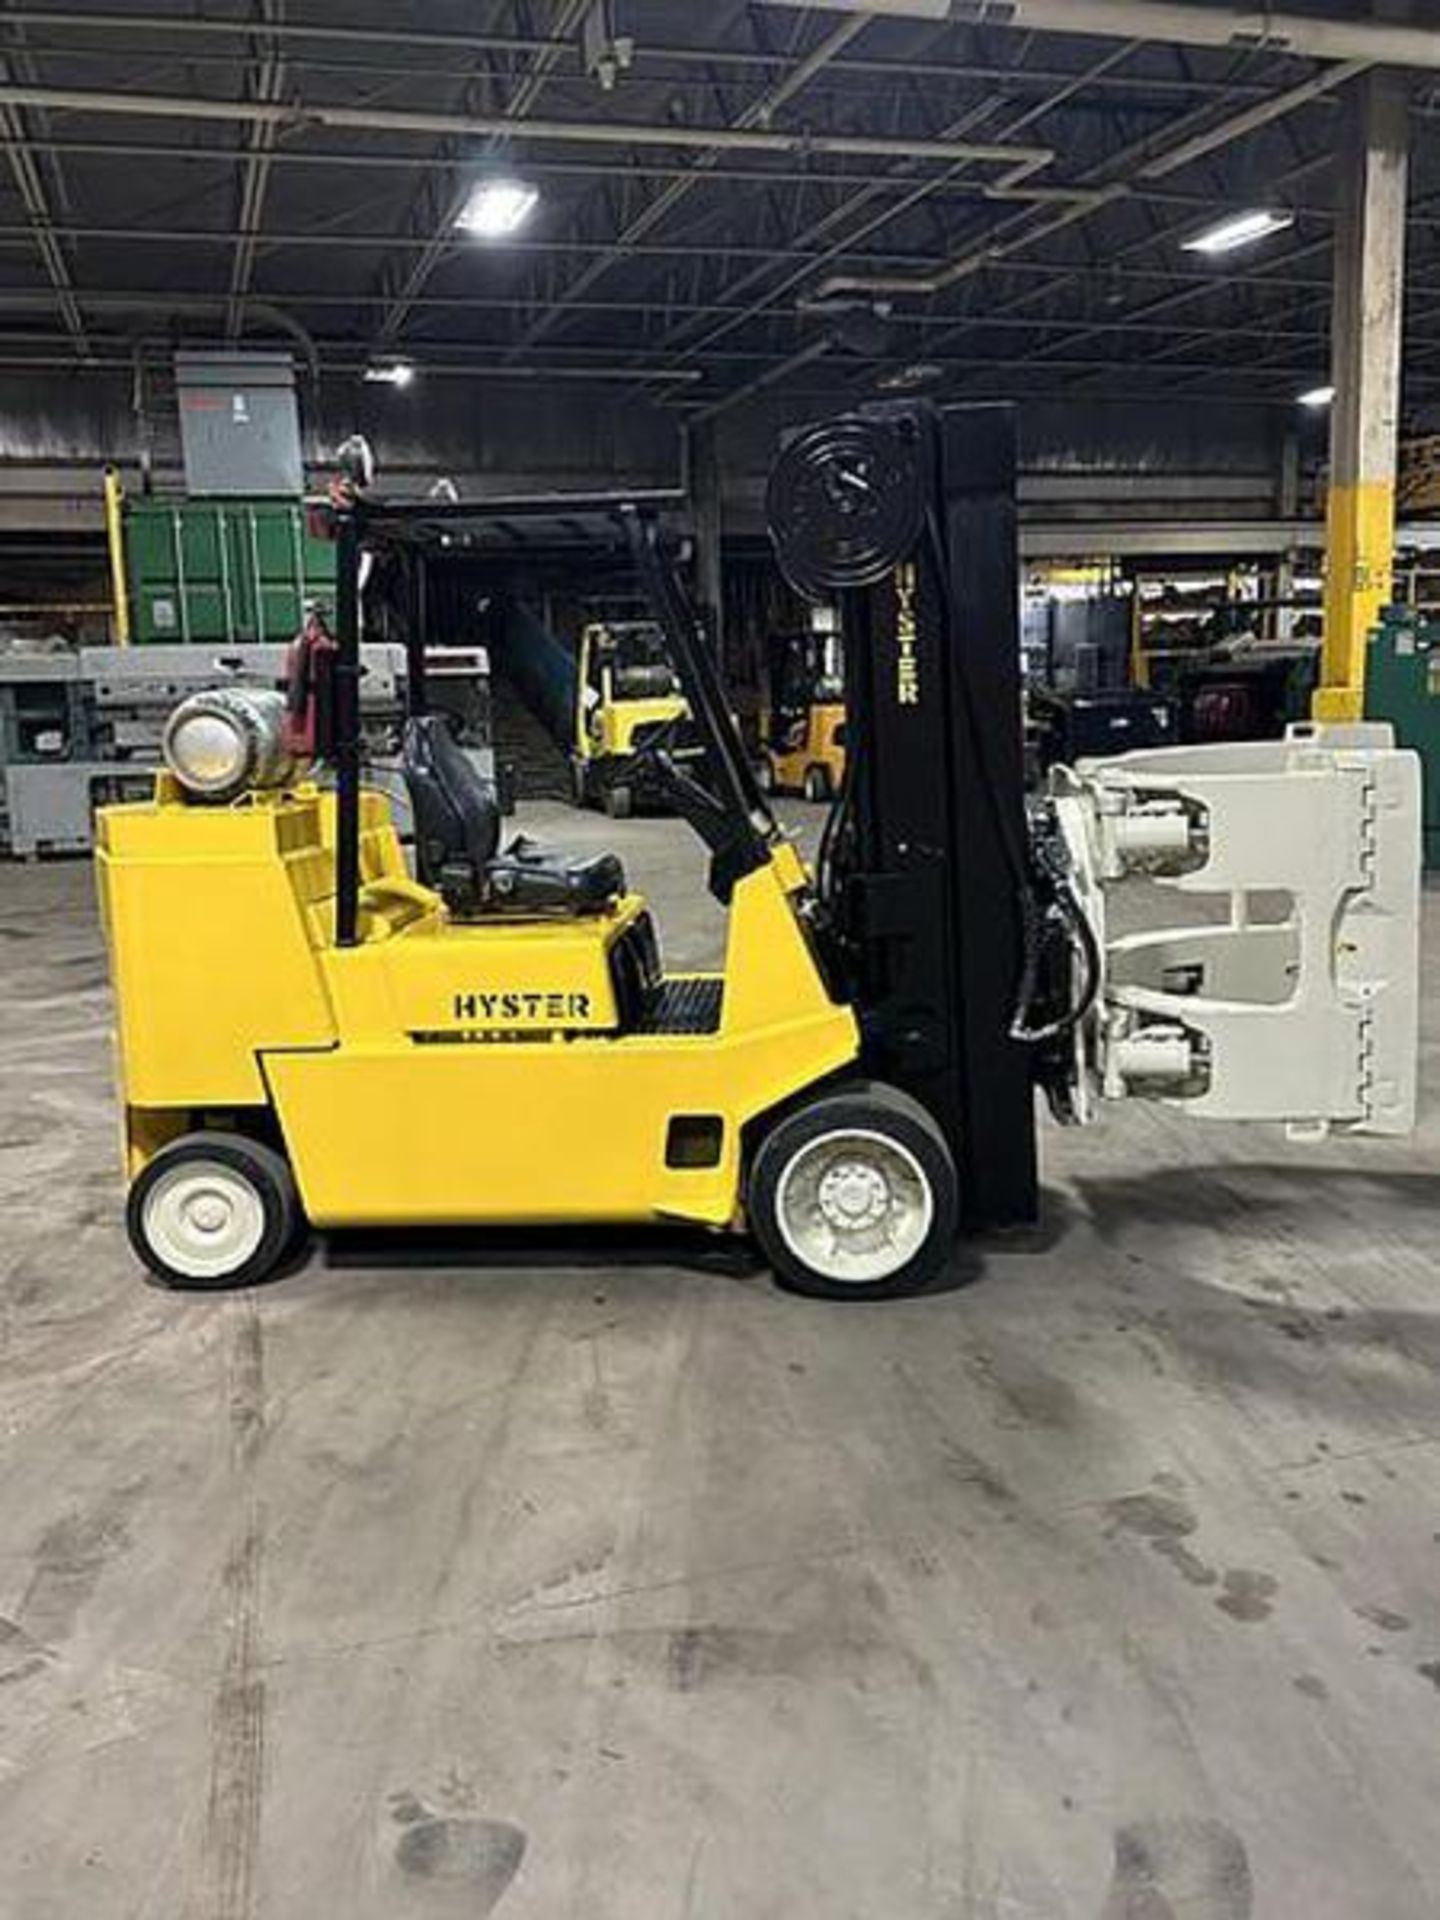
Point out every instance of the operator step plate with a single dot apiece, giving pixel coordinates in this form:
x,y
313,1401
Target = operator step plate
x,y
683,1006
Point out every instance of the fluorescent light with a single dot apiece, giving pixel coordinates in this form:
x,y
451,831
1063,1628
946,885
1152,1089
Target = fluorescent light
x,y
905,379
497,208
1240,230
1317,397
393,373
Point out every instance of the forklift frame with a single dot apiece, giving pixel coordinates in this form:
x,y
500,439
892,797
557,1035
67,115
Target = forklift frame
x,y
729,812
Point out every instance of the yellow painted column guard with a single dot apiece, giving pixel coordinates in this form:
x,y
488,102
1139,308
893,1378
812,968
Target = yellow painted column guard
x,y
1359,573
115,539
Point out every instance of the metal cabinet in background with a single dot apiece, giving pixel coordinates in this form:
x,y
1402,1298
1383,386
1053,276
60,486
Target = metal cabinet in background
x,y
82,729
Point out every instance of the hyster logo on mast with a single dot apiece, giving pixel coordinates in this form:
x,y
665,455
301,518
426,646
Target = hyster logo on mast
x,y
907,664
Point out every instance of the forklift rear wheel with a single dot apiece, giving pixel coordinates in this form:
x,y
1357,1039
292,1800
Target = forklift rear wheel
x,y
618,802
855,1197
817,784
214,1210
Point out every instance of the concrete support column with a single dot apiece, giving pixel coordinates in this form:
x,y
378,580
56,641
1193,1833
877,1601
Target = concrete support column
x,y
708,522
1366,324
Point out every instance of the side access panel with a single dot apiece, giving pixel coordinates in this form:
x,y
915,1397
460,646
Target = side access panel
x,y
565,1125
549,1130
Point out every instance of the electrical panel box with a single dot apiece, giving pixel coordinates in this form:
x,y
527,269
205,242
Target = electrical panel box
x,y
239,423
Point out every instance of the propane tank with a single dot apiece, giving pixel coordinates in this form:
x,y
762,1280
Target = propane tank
x,y
230,741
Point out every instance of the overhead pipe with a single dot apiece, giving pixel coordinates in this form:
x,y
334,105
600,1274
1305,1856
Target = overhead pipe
x,y
293,119
997,248
283,238
1256,29
32,352
263,311
793,175
1251,120
440,45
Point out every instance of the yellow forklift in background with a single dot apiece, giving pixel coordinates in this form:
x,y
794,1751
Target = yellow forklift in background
x,y
802,724
628,699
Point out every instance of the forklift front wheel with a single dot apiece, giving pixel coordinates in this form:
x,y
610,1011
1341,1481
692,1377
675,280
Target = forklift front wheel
x,y
817,784
214,1210
855,1197
618,802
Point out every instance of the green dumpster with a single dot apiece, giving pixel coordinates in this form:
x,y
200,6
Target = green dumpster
x,y
232,570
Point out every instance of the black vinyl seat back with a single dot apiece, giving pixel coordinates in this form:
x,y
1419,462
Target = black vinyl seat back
x,y
457,810
644,681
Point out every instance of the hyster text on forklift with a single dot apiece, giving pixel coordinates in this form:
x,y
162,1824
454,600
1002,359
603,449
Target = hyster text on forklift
x,y
311,1036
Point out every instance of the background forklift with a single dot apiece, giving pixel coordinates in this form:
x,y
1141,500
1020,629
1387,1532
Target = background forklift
x,y
310,1035
802,725
628,700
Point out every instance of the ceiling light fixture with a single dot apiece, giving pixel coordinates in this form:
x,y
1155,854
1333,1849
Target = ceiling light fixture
x,y
905,379
497,208
1317,397
1239,230
392,373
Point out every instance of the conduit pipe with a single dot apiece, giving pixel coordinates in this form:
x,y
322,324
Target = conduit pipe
x,y
1377,42
1021,162
1010,240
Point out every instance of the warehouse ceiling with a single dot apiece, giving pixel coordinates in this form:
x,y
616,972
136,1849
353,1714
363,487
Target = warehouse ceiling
x,y
731,196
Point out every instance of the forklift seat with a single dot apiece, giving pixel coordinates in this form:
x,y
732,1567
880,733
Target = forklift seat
x,y
457,839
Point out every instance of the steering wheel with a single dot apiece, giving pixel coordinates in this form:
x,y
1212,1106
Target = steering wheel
x,y
656,753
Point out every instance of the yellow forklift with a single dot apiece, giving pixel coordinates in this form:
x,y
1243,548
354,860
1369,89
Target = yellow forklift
x,y
802,725
312,1036
628,700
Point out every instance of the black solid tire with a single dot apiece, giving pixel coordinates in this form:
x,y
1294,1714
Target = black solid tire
x,y
267,1171
817,784
579,782
765,774
876,1108
619,802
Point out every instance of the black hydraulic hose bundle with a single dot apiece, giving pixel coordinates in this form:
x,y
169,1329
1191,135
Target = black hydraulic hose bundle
x,y
1044,897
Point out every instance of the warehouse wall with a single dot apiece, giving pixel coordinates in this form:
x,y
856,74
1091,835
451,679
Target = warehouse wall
x,y
1079,459
57,433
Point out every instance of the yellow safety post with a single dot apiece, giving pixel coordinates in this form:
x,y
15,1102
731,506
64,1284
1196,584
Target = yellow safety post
x,y
115,539
1359,575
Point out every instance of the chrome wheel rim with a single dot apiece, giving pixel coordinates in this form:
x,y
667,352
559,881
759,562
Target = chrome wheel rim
x,y
854,1205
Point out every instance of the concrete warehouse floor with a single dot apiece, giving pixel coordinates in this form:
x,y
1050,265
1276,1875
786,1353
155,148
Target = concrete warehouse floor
x,y
571,1577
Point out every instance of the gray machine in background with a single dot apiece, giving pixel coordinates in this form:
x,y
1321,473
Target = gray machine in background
x,y
81,729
